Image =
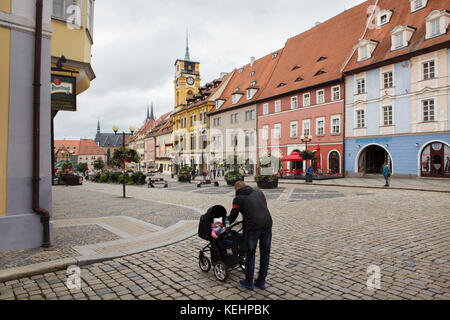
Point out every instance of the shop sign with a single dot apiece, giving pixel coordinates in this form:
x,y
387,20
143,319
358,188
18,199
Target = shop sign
x,y
63,93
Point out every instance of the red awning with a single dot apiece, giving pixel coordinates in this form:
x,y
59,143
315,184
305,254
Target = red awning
x,y
294,156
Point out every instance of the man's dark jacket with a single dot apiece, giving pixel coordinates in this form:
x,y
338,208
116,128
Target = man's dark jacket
x,y
253,206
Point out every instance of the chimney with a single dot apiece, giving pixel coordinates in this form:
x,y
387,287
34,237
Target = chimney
x,y
252,61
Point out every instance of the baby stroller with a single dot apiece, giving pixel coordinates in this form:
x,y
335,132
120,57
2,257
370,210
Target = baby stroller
x,y
223,258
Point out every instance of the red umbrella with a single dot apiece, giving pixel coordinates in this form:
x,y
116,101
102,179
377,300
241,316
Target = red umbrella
x,y
294,156
318,156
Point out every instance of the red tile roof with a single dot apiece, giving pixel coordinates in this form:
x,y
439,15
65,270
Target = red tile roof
x,y
242,79
401,16
318,55
70,145
89,147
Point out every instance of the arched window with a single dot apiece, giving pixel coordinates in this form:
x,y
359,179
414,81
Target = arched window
x,y
435,160
334,163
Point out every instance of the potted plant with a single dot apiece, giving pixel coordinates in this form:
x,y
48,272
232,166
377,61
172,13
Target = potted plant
x,y
267,181
184,174
267,178
233,176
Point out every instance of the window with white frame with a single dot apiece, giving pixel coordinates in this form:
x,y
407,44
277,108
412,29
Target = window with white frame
x,y
277,131
336,124
366,47
265,133
249,138
306,99
90,17
294,102
400,37
250,115
360,86
320,126
360,118
68,10
364,53
265,108
294,129
336,93
306,128
428,110
320,96
384,17
418,4
278,106
388,80
437,23
236,98
234,118
428,70
387,116
233,139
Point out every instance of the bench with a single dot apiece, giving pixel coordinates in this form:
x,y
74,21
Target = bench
x,y
152,182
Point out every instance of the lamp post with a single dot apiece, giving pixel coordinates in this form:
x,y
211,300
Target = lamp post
x,y
306,140
116,129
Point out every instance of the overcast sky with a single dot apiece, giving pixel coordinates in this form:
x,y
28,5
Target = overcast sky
x,y
137,42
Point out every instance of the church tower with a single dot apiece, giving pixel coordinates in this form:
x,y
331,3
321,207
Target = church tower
x,y
187,78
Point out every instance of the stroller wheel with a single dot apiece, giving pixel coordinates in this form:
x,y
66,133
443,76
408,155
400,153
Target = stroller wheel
x,y
205,264
220,271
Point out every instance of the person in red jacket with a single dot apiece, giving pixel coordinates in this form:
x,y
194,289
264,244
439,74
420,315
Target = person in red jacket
x,y
257,226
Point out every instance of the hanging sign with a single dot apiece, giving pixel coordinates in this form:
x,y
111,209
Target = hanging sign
x,y
63,93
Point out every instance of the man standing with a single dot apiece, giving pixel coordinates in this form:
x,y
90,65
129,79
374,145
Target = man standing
x,y
386,173
257,226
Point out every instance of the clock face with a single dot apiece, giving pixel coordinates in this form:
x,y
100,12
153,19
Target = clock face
x,y
190,81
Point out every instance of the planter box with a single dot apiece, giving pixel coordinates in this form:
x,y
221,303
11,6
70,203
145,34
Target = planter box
x,y
233,182
71,180
267,184
184,179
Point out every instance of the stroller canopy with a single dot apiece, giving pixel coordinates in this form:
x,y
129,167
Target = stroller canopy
x,y
204,227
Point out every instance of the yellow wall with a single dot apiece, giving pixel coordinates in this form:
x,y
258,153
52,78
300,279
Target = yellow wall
x,y
75,44
5,40
5,6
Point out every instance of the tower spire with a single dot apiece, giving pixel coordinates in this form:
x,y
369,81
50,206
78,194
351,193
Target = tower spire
x,y
151,114
187,55
148,113
98,126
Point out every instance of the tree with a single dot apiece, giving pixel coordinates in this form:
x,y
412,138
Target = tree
x,y
122,155
67,167
83,167
99,164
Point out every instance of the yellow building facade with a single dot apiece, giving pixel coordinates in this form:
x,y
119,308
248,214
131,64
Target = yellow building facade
x,y
5,40
65,50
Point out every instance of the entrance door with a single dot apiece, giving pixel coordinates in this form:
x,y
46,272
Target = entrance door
x,y
372,159
435,160
334,163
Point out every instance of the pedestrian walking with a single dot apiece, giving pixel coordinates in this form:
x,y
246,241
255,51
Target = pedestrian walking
x,y
257,226
386,173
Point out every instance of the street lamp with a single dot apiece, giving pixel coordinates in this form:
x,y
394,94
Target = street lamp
x,y
306,140
116,129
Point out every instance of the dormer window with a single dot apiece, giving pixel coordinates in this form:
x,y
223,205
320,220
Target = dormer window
x,y
366,49
241,70
295,68
281,85
318,73
274,55
251,92
253,83
437,23
299,79
236,97
252,73
236,89
418,4
400,37
384,17
321,59
219,103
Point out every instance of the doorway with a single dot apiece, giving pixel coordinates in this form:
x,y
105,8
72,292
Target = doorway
x,y
372,158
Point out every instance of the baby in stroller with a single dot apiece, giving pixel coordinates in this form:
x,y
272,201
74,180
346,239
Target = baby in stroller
x,y
225,244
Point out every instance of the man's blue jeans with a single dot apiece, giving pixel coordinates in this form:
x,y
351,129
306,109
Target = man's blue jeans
x,y
251,242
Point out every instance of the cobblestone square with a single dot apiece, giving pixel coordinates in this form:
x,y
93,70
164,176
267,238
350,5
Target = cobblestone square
x,y
324,240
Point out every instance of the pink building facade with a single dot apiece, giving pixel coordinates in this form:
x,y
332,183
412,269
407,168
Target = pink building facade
x,y
315,113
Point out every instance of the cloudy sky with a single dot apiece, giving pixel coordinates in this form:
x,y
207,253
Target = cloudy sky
x,y
137,42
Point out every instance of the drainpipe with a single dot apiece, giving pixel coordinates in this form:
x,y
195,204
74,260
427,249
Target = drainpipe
x,y
45,214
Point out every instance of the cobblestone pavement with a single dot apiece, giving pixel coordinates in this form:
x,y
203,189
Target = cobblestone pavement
x,y
324,241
